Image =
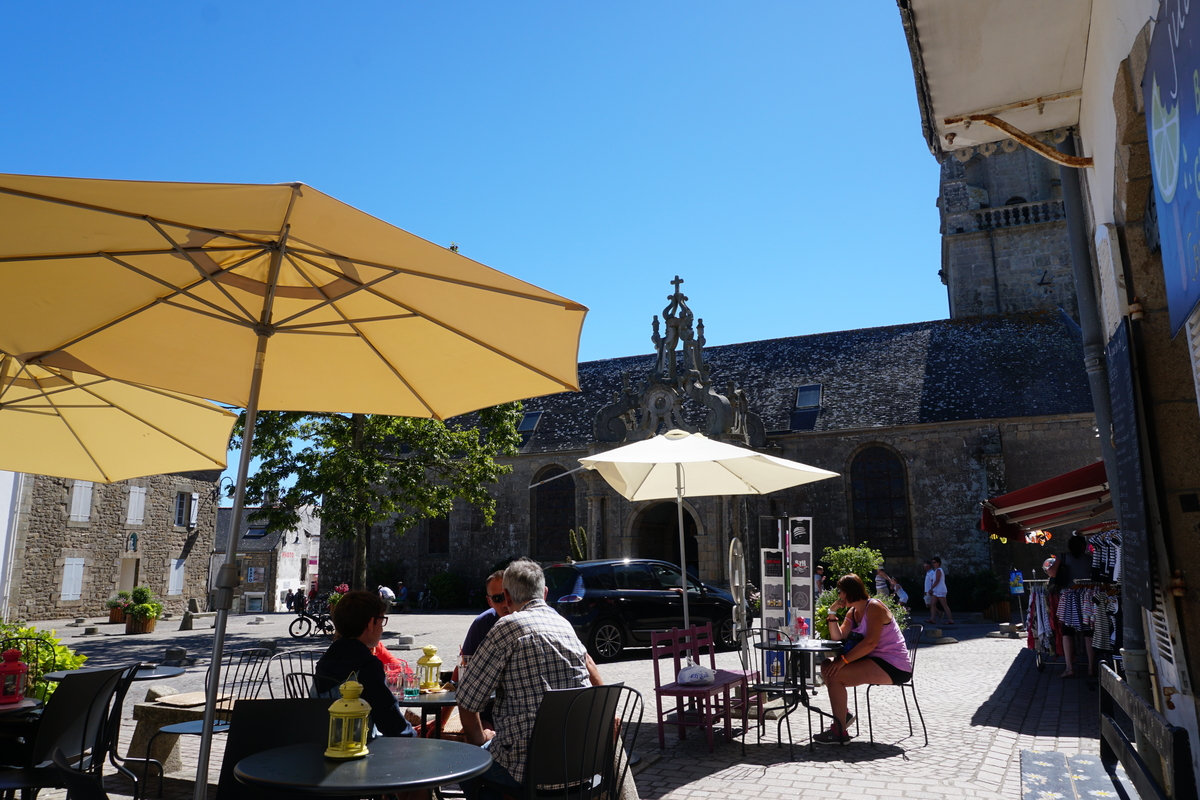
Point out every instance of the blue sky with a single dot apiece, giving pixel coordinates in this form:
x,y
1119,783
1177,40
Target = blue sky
x,y
769,153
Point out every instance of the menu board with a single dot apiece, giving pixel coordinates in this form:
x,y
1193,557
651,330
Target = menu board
x,y
800,569
774,606
1130,496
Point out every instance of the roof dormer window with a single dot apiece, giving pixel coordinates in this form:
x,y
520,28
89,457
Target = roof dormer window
x,y
806,408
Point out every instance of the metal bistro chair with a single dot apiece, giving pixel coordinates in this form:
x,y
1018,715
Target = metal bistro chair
x,y
74,721
285,664
580,746
775,679
80,785
241,679
912,637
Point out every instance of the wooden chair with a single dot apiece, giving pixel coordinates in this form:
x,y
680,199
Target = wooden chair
x,y
707,703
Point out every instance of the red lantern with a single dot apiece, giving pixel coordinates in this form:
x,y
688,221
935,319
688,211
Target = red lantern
x,y
12,677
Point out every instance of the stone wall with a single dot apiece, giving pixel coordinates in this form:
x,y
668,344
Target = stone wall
x,y
950,468
47,537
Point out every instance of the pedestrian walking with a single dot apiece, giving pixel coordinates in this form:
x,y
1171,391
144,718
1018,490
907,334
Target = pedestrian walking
x,y
290,600
938,587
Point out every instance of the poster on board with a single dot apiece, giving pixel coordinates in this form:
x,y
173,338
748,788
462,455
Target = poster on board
x,y
800,571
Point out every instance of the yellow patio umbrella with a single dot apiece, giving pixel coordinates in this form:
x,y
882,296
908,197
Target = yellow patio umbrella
x,y
266,297
76,425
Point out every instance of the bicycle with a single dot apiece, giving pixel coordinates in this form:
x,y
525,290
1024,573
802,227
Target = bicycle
x,y
306,624
428,601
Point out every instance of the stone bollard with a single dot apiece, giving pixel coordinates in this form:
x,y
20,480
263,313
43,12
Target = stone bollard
x,y
185,624
91,630
159,690
175,656
193,606
269,644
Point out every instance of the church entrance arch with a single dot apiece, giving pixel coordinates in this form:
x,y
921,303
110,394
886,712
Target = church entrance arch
x,y
655,534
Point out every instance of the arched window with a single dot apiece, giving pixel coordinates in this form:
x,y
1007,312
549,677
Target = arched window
x,y
879,502
553,514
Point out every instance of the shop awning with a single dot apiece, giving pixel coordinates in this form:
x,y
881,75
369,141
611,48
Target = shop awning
x,y
1076,496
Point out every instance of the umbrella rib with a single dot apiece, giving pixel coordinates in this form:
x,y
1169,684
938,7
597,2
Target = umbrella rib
x,y
567,304
82,446
302,328
245,323
200,270
369,344
145,422
126,214
185,291
127,253
359,286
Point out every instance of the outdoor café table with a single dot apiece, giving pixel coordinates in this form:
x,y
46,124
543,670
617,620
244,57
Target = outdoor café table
x,y
147,673
430,704
395,764
798,673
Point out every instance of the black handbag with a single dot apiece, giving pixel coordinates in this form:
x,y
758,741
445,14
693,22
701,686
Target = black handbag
x,y
851,640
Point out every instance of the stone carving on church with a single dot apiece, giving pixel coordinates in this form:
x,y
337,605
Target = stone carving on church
x,y
656,404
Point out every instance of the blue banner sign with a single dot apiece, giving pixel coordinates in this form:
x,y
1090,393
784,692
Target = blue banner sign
x,y
1171,91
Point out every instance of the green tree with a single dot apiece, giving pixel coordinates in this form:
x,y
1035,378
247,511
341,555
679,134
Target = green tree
x,y
360,470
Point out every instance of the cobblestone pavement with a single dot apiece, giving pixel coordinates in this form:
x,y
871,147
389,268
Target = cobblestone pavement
x,y
983,701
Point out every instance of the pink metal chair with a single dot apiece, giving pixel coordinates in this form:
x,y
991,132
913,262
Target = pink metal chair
x,y
707,704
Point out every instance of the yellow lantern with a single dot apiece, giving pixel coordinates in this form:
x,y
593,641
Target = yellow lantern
x,y
348,723
429,668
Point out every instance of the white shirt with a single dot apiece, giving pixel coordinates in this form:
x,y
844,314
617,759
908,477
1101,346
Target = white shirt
x,y
386,593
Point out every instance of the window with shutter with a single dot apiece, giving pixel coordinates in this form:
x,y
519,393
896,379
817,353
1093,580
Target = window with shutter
x,y
72,583
81,501
181,509
178,570
137,505
195,510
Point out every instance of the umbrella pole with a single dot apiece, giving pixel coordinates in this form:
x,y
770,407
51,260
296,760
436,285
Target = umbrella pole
x,y
682,545
227,579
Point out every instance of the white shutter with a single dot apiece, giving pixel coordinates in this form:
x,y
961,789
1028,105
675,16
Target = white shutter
x,y
178,569
195,510
137,505
72,583
81,501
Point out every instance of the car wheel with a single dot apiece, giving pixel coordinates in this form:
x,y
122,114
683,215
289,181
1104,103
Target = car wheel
x,y
726,635
607,641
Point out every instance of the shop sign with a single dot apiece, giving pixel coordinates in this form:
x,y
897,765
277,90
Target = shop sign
x,y
1171,94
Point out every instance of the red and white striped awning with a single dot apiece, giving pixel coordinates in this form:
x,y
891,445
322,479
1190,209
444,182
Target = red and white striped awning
x,y
1076,496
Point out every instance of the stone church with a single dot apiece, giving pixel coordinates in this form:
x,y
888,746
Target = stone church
x,y
922,421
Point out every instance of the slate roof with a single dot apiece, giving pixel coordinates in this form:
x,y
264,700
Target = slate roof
x,y
1013,365
260,544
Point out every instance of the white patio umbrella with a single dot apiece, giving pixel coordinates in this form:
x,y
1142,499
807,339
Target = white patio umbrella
x,y
680,464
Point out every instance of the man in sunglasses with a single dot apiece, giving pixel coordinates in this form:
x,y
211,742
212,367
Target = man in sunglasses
x,y
359,619
497,608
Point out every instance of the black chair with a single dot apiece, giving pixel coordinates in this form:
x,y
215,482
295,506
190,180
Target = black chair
x,y
259,725
242,673
912,637
80,785
580,744
775,680
75,720
298,685
287,663
39,655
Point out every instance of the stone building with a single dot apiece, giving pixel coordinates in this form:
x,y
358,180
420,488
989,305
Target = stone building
x,y
70,545
269,562
921,421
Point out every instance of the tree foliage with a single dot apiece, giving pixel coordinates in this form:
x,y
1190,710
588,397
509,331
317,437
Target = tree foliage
x,y
360,470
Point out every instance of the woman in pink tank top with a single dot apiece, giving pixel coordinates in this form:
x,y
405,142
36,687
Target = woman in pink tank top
x,y
880,657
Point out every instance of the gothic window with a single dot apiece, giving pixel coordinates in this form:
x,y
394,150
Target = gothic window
x,y
879,501
437,537
553,514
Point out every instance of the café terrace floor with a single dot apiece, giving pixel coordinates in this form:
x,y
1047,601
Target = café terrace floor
x,y
983,699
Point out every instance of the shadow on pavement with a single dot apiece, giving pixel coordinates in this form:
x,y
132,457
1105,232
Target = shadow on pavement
x,y
1043,704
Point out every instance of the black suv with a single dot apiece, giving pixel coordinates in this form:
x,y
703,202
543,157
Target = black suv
x,y
618,602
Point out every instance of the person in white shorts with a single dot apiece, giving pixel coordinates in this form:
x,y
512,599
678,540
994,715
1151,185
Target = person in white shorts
x,y
939,590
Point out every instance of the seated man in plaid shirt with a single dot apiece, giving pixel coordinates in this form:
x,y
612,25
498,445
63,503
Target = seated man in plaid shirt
x,y
529,651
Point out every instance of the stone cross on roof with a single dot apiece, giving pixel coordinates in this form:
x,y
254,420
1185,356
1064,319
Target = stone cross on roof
x,y
657,404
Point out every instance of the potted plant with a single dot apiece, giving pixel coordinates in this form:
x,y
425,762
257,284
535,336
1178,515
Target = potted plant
x,y
143,612
116,606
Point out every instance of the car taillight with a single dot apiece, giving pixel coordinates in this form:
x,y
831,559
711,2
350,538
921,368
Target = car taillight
x,y
571,598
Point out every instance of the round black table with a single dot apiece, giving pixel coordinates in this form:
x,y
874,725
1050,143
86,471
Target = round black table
x,y
798,675
147,673
430,704
395,764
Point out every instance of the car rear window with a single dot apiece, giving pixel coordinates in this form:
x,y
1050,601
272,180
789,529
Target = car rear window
x,y
560,581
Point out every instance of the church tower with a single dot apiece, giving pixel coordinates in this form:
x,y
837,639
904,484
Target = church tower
x,y
1004,233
